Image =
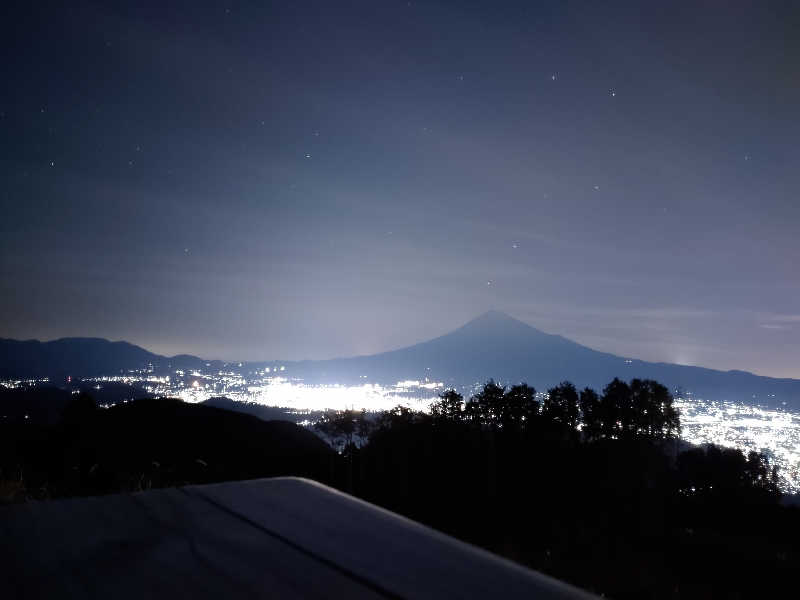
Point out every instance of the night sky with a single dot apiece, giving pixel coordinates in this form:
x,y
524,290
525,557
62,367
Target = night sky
x,y
318,179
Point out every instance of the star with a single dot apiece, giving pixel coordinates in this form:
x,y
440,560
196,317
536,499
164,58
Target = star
x,y
489,282
613,93
515,245
308,156
553,76
597,187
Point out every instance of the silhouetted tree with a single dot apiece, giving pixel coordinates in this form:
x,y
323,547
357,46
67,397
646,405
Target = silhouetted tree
x,y
398,417
519,407
761,474
670,416
725,472
561,405
616,413
653,412
590,414
449,407
344,427
485,407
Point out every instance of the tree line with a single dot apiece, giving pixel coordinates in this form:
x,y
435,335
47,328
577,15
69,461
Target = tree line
x,y
642,408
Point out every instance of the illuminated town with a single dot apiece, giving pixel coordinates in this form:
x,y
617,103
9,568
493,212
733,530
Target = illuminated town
x,y
775,431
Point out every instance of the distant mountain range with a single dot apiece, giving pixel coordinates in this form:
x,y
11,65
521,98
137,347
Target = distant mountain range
x,y
493,345
84,357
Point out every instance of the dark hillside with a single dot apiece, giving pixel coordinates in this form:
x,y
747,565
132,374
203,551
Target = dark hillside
x,y
153,443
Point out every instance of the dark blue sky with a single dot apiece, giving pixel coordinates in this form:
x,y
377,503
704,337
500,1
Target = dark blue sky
x,y
314,179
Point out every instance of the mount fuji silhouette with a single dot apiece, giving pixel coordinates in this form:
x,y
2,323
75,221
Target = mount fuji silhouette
x,y
493,345
496,345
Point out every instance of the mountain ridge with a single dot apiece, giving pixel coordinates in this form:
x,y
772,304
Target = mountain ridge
x,y
78,356
492,345
496,345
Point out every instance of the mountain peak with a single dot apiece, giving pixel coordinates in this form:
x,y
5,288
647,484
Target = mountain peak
x,y
494,314
496,319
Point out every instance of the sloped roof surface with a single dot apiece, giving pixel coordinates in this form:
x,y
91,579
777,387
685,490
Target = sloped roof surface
x,y
277,538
